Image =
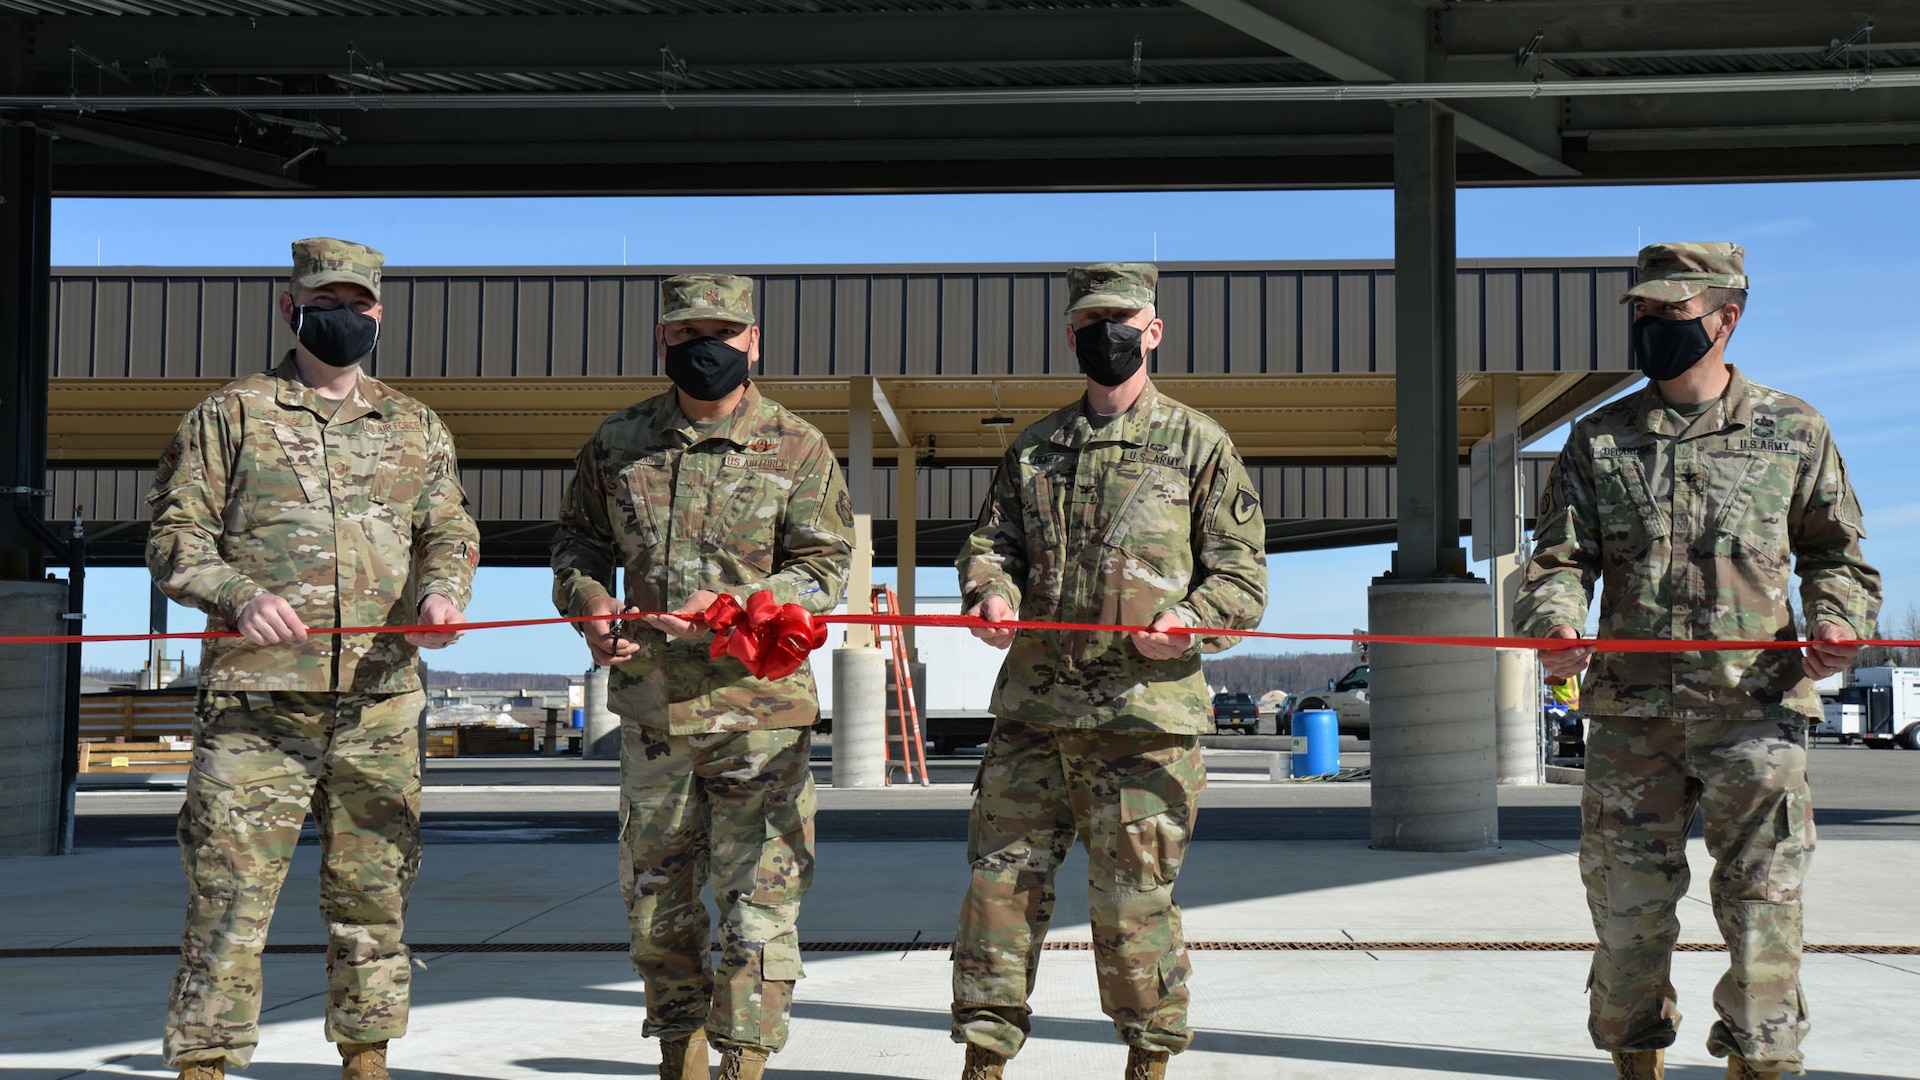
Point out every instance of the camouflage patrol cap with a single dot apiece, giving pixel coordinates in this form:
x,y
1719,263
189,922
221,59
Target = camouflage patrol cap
x,y
706,296
1676,273
323,260
1111,285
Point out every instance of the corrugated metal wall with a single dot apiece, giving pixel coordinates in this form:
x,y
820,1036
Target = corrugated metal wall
x,y
1235,319
946,494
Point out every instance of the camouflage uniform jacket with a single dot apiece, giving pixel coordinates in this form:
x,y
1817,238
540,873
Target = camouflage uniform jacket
x,y
1693,531
755,503
352,520
1150,513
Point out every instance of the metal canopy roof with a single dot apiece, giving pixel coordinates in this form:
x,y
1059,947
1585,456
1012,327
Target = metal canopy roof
x,y
734,96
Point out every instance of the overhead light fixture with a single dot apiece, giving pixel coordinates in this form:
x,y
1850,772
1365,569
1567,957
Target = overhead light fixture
x,y
996,421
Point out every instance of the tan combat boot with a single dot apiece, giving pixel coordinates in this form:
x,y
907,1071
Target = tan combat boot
x,y
983,1064
1146,1064
685,1059
1640,1064
742,1063
1739,1068
363,1061
204,1070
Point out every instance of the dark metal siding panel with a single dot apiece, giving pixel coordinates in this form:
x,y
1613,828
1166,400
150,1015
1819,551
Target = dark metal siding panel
x,y
1539,327
1033,326
1576,319
604,327
1612,319
640,316
1355,314
1386,334
886,324
993,325
219,309
99,494
1500,332
1242,319
499,305
74,354
429,353
1318,335
852,326
957,322
1469,305
1176,305
925,322
393,355
567,328
1246,323
533,328
464,295
1283,325
813,322
1208,324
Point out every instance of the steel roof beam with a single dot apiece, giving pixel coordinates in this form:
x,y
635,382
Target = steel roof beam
x,y
156,147
1394,28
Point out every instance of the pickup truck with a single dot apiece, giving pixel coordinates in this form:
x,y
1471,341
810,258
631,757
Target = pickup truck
x,y
1235,712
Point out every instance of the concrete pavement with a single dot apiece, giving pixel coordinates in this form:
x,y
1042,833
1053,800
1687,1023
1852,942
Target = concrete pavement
x,y
874,1003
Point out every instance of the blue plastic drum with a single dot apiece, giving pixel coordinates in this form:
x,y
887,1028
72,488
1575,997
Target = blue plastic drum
x,y
1316,743
579,718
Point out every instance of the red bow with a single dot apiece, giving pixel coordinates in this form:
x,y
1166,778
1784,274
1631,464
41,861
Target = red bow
x,y
770,639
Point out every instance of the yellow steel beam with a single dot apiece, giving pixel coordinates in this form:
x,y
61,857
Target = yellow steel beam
x,y
1274,417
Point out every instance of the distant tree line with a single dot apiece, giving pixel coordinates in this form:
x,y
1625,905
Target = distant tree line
x,y
1293,672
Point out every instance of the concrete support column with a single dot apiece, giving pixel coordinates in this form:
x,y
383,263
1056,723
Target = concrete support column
x,y
859,718
860,487
32,719
1519,754
1432,706
157,648
906,544
1433,735
600,738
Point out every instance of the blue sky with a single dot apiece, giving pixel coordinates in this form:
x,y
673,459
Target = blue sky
x,y
1831,319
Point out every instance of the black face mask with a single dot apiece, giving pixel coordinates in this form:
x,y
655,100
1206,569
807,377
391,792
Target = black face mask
x,y
1665,348
708,369
1109,352
337,337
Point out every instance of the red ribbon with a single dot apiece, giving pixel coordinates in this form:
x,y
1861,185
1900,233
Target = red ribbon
x,y
778,635
770,639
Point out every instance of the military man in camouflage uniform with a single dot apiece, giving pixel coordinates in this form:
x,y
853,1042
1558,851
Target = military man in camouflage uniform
x,y
1690,503
1124,508
308,497
709,489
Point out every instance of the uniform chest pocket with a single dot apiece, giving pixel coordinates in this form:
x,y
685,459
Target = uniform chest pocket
x,y
642,499
1629,519
399,454
305,477
1042,500
1149,514
1752,520
745,520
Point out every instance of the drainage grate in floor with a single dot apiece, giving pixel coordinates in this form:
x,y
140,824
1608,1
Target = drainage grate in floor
x,y
80,952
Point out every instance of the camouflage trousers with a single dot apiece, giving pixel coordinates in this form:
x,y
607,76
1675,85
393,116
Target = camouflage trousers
x,y
1748,779
734,809
260,761
1131,799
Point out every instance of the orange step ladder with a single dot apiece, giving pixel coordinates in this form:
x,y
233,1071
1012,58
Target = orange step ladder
x,y
908,711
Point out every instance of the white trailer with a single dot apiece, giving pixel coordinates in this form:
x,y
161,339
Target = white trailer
x,y
1889,703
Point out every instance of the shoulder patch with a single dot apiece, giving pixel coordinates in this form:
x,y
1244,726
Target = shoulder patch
x,y
1245,505
845,507
169,461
